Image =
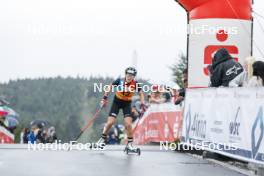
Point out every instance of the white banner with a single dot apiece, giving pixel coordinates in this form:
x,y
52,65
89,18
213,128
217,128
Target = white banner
x,y
227,121
209,35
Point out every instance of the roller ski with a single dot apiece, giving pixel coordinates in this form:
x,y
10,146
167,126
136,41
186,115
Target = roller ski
x,y
100,144
130,149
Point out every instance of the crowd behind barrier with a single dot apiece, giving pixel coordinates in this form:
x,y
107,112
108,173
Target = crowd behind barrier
x,y
230,119
39,131
225,71
227,121
162,120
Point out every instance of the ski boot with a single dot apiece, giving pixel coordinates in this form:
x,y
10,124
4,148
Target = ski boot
x,y
100,144
130,149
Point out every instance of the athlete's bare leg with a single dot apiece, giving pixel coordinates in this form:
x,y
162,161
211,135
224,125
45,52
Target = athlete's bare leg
x,y
128,126
110,122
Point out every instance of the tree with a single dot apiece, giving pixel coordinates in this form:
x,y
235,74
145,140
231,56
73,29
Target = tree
x,y
178,68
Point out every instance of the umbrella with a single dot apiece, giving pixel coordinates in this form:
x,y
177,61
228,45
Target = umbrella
x,y
3,102
40,123
3,112
11,122
11,112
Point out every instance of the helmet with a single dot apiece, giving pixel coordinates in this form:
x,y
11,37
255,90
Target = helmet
x,y
131,70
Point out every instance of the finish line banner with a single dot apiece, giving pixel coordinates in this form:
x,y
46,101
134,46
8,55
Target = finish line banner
x,y
227,121
160,123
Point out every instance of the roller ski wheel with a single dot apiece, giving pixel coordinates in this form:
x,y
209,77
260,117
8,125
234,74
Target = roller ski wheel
x,y
99,145
128,150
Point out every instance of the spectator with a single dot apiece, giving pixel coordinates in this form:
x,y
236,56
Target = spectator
x,y
225,69
31,138
120,133
258,75
23,136
180,96
167,94
148,99
134,113
173,93
51,135
3,115
210,71
12,129
36,135
155,97
39,133
112,139
181,92
136,103
2,120
243,78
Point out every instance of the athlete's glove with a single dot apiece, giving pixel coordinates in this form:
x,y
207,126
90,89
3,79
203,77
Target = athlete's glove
x,y
104,102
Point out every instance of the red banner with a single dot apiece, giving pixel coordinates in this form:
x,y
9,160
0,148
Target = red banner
x,y
157,126
6,137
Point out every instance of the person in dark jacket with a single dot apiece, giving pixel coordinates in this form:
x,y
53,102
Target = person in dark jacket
x,y
224,68
258,75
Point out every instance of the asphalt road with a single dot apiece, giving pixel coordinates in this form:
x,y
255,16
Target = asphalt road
x,y
112,161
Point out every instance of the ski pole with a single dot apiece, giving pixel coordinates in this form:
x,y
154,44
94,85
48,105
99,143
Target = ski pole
x,y
89,123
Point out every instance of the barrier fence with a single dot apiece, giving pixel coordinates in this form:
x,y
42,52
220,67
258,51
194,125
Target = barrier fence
x,y
228,121
159,123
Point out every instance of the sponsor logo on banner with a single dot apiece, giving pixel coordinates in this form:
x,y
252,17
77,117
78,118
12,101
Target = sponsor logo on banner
x,y
196,126
161,122
209,51
202,47
234,128
233,70
218,129
257,133
227,122
241,95
221,95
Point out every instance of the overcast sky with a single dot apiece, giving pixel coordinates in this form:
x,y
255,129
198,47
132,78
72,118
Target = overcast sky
x,y
46,38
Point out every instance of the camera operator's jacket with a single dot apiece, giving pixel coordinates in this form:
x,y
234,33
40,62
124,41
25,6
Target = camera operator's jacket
x,y
225,69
